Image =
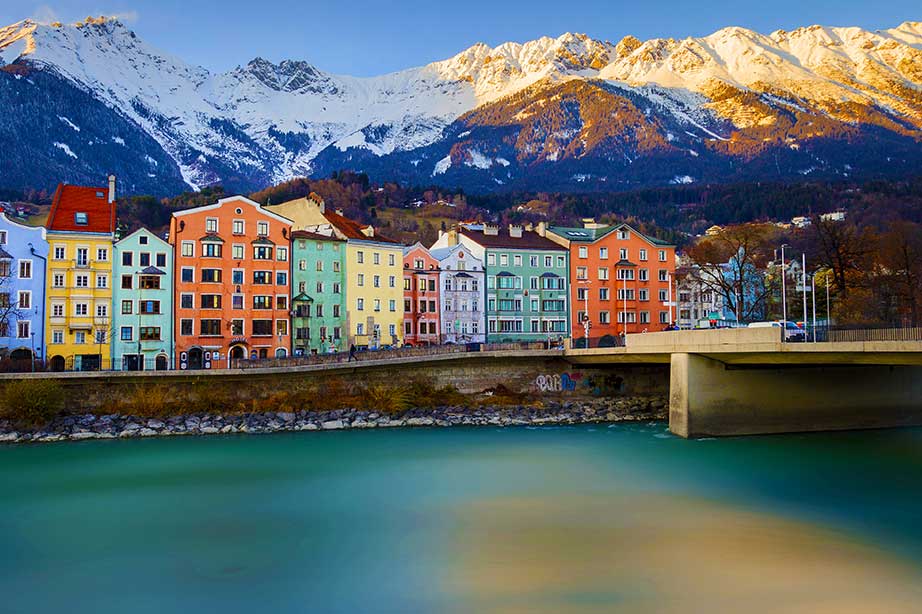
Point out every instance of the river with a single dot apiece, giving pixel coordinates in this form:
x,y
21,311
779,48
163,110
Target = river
x,y
622,518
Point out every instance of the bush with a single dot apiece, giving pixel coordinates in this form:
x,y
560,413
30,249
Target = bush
x,y
385,399
32,403
155,401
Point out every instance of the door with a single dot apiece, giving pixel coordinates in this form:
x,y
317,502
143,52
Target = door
x,y
162,364
237,353
132,362
196,358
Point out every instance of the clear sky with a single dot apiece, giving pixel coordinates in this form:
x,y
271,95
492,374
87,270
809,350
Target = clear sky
x,y
362,37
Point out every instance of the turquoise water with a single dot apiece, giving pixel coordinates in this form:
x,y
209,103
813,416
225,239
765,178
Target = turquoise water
x,y
576,519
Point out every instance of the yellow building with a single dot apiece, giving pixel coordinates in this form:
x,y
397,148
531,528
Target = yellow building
x,y
374,271
81,230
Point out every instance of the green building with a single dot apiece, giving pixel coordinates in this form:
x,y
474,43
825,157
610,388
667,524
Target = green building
x,y
527,290
318,284
142,297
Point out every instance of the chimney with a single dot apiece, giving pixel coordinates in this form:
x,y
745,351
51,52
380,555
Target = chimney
x,y
515,231
453,237
541,229
529,227
111,189
589,223
490,229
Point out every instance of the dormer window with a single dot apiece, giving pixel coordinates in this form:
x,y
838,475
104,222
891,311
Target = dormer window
x,y
100,194
80,218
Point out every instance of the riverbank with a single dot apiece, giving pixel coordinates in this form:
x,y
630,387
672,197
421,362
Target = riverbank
x,y
113,426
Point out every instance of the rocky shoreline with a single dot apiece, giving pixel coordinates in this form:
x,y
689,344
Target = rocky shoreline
x,y
113,426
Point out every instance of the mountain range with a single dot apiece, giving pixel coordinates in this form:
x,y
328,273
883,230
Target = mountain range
x,y
568,113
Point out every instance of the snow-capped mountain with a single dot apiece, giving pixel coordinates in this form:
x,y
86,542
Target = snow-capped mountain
x,y
92,97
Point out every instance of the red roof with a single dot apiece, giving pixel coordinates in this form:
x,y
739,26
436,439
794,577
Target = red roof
x,y
71,200
352,229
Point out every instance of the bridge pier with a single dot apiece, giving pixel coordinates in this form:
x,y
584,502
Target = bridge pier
x,y
710,398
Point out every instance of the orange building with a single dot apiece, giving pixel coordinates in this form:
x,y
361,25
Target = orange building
x,y
619,278
232,283
421,307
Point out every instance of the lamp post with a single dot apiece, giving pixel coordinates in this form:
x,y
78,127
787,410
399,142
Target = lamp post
x,y
586,321
813,299
32,334
784,302
624,303
803,276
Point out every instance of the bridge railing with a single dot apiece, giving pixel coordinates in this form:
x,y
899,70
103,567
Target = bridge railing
x,y
849,334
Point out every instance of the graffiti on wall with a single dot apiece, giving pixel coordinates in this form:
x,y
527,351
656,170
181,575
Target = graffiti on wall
x,y
569,382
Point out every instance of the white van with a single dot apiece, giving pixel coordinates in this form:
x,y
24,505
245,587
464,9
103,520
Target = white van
x,y
792,332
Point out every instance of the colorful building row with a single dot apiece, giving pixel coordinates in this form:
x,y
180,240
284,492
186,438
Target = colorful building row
x,y
236,280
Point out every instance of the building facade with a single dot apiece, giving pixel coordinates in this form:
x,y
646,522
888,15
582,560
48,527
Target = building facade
x,y
421,305
142,332
231,278
23,257
621,280
318,277
527,293
463,284
374,272
81,231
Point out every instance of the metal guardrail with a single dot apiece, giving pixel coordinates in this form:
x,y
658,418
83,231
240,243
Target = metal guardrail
x,y
870,334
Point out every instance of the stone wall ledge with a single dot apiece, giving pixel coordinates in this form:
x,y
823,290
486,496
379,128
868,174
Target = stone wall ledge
x,y
116,426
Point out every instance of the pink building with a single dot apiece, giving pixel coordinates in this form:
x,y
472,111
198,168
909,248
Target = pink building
x,y
421,305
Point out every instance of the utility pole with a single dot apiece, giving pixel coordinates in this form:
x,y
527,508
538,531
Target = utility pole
x,y
813,299
803,275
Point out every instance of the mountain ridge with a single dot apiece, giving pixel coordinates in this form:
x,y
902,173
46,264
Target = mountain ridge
x,y
727,97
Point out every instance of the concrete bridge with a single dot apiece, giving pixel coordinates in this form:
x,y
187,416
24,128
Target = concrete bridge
x,y
746,381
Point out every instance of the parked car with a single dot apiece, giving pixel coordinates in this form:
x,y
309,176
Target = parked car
x,y
792,332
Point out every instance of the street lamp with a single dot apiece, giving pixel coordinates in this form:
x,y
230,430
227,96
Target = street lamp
x,y
804,279
784,302
586,321
32,334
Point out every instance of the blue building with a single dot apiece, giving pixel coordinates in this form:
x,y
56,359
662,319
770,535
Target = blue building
x,y
23,259
142,300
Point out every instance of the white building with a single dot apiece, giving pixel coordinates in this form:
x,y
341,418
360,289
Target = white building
x,y
462,285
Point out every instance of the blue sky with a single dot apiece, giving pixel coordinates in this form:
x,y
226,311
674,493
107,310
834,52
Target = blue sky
x,y
361,37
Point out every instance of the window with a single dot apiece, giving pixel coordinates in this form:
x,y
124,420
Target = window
x,y
604,317
336,264
127,307
603,253
211,224
624,234
262,278
102,311
281,254
625,294
302,265
239,227
211,276
153,307
237,327
210,301
663,275
376,258
102,280
582,272
145,259
82,280
262,229
281,278
360,280
185,327
407,283
281,328
58,280
503,259
237,301
188,249
2,237
83,256
662,295
262,302
376,281
262,252
142,240
80,337
643,294
25,269
212,250
643,274
582,294
360,257
102,254
126,282
622,253
359,329
25,299
491,259
57,336
643,255
336,287
320,287
209,327
335,311
262,328
392,282
360,304
149,333
627,274
548,262
603,294
237,277
561,262
644,317
100,337
664,317
187,274
662,255
57,310
80,218
59,252
161,260
603,273
377,304
628,317
126,334
186,301
237,252
390,260
281,303
149,282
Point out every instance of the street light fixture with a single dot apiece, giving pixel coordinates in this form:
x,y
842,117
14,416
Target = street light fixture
x,y
784,302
